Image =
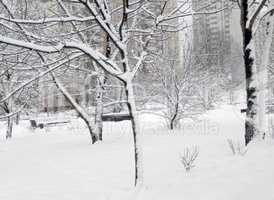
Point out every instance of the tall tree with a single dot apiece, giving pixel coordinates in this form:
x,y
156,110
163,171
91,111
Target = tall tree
x,y
268,28
249,20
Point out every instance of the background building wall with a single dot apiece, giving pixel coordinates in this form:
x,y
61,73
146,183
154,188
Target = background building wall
x,y
218,36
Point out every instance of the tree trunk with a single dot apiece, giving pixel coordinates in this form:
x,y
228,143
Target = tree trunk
x,y
9,128
118,96
231,96
101,79
17,118
99,107
174,118
83,114
248,51
87,91
94,136
263,76
138,152
251,96
171,125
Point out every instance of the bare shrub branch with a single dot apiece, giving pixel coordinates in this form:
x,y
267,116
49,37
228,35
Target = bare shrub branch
x,y
236,147
189,156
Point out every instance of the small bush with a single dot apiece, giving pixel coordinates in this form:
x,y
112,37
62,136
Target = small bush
x,y
236,147
189,156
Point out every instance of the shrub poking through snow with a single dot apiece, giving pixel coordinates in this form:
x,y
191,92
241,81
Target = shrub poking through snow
x,y
189,156
236,147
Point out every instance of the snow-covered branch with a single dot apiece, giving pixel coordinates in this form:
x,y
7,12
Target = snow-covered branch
x,y
162,18
47,20
14,113
254,17
99,58
41,75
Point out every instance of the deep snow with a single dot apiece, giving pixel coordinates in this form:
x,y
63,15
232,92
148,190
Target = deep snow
x,y
59,163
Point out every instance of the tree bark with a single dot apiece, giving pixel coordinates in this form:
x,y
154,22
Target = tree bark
x,y
101,79
17,118
138,152
118,107
83,114
99,107
248,51
263,75
9,128
171,125
174,117
251,96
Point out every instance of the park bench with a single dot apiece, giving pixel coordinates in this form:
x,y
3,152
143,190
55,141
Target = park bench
x,y
34,124
115,117
243,110
110,117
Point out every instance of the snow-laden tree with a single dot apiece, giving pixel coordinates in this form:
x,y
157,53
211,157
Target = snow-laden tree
x,y
267,28
13,72
55,30
251,12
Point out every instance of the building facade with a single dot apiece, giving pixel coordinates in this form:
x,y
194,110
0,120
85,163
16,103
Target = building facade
x,y
217,38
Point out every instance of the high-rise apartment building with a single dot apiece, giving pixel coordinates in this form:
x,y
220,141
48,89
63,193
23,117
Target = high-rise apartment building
x,y
217,38
210,30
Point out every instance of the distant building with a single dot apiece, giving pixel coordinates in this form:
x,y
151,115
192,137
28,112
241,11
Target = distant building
x,y
217,38
171,44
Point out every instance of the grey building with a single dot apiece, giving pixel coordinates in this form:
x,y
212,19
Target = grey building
x,y
217,37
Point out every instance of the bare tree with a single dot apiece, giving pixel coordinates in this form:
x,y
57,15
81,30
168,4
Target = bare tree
x,y
177,92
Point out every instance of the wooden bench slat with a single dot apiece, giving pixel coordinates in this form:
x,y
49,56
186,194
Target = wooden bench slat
x,y
41,125
116,117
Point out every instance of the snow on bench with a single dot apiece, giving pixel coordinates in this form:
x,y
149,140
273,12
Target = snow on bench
x,y
41,124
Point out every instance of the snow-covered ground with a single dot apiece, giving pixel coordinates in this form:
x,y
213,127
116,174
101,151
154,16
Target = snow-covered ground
x,y
59,163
